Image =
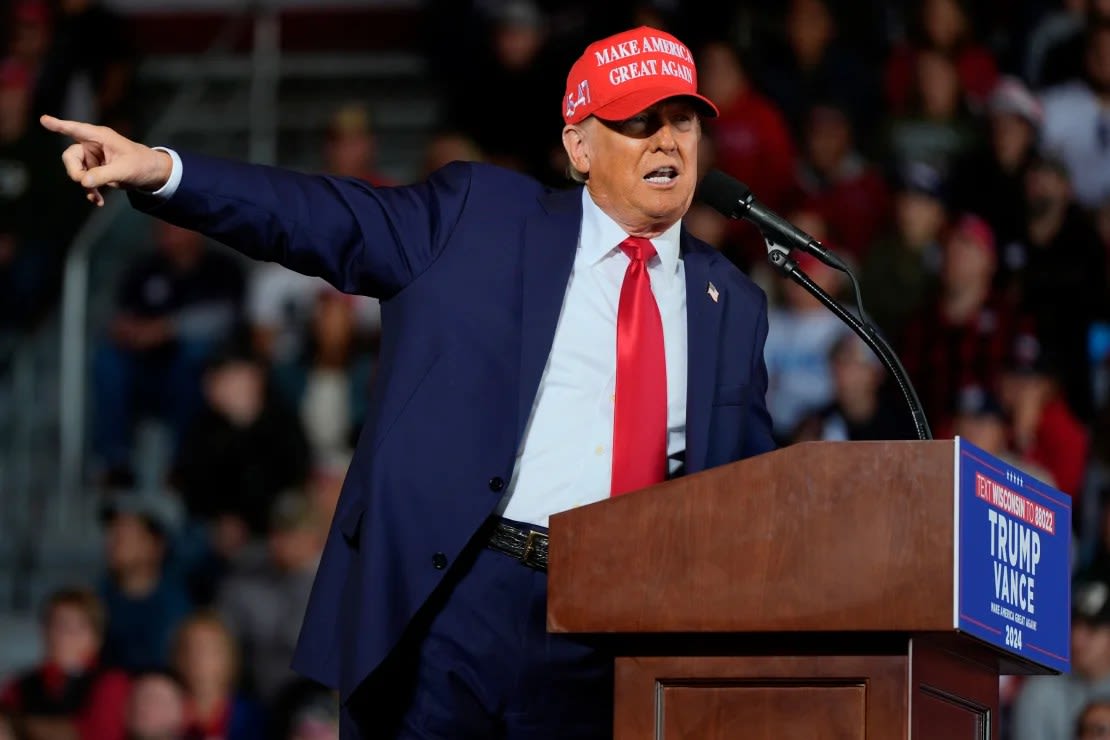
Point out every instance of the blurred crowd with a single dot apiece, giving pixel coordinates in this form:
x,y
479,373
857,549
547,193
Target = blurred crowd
x,y
956,153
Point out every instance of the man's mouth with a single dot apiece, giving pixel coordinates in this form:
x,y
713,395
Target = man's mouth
x,y
661,175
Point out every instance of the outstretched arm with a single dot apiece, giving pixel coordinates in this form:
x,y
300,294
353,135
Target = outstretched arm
x,y
360,238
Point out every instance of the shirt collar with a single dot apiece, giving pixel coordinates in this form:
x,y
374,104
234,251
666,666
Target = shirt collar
x,y
601,236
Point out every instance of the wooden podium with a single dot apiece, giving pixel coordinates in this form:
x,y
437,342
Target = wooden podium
x,y
805,593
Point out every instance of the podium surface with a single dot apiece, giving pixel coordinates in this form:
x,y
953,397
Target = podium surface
x,y
820,590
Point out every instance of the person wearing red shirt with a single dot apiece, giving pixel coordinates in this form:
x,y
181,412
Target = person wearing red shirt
x,y
69,695
836,181
1045,430
206,658
942,26
751,139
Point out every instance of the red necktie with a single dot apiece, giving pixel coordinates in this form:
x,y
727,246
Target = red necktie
x,y
640,415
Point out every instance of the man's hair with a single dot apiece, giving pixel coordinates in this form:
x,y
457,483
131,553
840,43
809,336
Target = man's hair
x,y
83,600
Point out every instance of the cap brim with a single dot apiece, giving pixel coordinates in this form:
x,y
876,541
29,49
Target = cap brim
x,y
635,102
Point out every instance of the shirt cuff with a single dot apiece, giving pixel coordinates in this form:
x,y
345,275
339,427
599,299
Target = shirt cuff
x,y
166,191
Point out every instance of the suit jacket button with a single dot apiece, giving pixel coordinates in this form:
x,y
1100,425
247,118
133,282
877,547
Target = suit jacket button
x,y
439,561
496,483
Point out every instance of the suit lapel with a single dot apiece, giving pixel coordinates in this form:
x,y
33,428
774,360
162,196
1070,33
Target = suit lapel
x,y
550,243
703,317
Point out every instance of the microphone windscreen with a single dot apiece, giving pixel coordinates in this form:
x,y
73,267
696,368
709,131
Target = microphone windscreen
x,y
723,193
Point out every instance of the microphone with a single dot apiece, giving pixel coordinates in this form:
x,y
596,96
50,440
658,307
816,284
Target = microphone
x,y
734,199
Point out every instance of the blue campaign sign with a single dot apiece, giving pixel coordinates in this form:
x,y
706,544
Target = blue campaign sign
x,y
1013,559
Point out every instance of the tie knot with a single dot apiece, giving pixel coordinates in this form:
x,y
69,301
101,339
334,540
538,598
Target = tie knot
x,y
638,248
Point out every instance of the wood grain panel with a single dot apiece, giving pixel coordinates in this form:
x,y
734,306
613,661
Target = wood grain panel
x,y
814,537
860,696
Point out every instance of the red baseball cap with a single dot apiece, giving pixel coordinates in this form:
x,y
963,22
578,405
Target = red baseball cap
x,y
619,76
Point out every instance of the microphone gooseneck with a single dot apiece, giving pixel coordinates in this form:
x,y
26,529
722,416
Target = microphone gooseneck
x,y
735,200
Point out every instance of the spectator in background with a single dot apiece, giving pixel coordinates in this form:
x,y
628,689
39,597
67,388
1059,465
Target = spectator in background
x,y
1094,720
800,336
280,309
901,270
964,336
88,68
315,723
206,658
981,420
813,64
144,597
30,37
1059,277
244,447
1055,47
174,305
936,125
1045,431
1047,707
750,136
281,302
70,694
156,710
328,385
1077,122
991,181
862,407
264,604
943,28
448,146
1097,567
837,182
517,57
32,247
351,146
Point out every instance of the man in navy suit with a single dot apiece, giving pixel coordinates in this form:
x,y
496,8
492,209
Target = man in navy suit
x,y
541,350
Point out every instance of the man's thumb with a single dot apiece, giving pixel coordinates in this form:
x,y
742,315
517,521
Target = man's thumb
x,y
112,173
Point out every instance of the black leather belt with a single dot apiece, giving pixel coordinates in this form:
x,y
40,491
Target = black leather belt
x,y
526,545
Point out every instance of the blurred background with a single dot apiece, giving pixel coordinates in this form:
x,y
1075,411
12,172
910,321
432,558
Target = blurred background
x,y
175,421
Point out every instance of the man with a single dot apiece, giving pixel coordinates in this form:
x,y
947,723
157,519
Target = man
x,y
175,303
263,602
1077,121
69,694
499,399
144,596
1049,706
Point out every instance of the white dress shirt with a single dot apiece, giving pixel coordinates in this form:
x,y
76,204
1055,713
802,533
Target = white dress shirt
x,y
566,458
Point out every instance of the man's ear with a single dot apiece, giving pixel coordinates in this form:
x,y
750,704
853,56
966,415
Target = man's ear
x,y
577,146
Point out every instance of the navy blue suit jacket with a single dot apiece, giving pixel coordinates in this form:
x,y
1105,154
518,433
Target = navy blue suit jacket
x,y
471,267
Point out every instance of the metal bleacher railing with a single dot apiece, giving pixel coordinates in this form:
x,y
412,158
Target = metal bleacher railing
x,y
254,100
44,375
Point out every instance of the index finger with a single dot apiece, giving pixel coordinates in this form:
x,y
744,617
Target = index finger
x,y
73,129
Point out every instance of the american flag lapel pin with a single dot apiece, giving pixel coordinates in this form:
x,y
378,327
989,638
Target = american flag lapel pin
x,y
712,291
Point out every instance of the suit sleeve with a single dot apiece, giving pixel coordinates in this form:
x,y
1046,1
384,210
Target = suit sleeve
x,y
757,436
360,238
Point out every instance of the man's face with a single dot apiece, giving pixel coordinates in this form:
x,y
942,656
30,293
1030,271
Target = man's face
x,y
1094,723
71,640
967,261
1090,649
643,170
